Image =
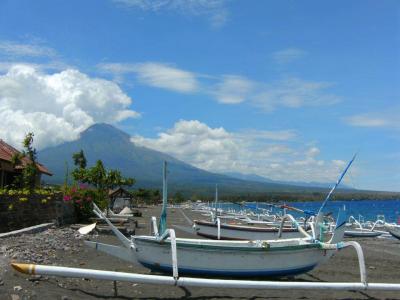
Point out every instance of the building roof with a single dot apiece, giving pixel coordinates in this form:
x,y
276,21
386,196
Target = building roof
x,y
7,152
111,193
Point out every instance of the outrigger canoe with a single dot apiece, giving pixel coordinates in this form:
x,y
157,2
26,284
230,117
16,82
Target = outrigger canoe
x,y
394,230
164,252
241,232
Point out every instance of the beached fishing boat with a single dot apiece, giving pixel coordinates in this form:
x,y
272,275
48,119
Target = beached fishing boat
x,y
234,258
394,230
360,230
217,228
224,231
227,258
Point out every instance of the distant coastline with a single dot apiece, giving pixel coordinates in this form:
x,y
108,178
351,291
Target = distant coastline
x,y
296,196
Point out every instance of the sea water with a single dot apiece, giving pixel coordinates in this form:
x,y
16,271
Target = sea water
x,y
365,210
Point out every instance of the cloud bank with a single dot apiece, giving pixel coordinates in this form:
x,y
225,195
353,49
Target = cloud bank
x,y
229,89
58,106
266,153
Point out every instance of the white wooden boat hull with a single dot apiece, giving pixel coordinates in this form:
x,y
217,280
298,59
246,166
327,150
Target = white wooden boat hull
x,y
227,260
239,232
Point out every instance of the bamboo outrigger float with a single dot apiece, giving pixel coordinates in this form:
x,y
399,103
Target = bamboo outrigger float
x,y
215,257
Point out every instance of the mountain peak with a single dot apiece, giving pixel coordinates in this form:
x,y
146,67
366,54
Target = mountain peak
x,y
115,149
103,131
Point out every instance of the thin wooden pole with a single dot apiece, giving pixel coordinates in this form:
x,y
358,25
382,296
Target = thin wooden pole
x,y
2,178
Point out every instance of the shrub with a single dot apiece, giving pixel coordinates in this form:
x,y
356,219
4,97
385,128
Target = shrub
x,y
82,197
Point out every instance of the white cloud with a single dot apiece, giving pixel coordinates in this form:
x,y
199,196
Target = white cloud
x,y
294,93
386,119
214,10
291,92
288,55
164,76
195,142
312,152
11,48
218,150
156,75
227,89
58,106
278,135
233,89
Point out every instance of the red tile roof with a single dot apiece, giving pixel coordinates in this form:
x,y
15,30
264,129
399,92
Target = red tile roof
x,y
7,152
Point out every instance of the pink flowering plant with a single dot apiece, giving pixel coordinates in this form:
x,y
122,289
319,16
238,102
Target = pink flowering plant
x,y
81,196
91,185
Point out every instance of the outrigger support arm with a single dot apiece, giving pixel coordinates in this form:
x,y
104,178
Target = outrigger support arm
x,y
360,255
218,228
171,234
296,224
125,241
376,223
153,227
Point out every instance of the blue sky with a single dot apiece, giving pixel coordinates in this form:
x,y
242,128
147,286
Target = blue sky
x,y
283,89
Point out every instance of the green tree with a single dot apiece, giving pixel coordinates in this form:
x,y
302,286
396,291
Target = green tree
x,y
28,160
156,195
178,197
79,159
114,179
143,195
30,172
98,177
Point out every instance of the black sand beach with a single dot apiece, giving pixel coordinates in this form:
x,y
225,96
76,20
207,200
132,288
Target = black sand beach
x,y
63,246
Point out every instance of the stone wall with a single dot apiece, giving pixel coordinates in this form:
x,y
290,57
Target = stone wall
x,y
19,211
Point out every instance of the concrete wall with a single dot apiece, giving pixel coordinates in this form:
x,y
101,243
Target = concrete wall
x,y
19,211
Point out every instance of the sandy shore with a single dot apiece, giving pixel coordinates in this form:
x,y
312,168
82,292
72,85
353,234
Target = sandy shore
x,y
65,247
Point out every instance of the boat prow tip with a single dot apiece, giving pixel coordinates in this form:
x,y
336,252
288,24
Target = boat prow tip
x,y
24,268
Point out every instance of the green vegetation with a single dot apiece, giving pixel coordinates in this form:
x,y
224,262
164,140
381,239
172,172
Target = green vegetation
x,y
178,198
27,178
147,196
91,184
23,195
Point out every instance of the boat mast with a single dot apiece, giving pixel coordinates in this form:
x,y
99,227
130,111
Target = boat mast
x,y
216,201
319,217
162,226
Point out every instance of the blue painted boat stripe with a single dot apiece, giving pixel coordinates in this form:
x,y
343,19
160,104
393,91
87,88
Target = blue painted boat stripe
x,y
234,273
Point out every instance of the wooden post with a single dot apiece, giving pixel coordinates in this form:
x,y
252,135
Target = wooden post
x,y
115,289
1,178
